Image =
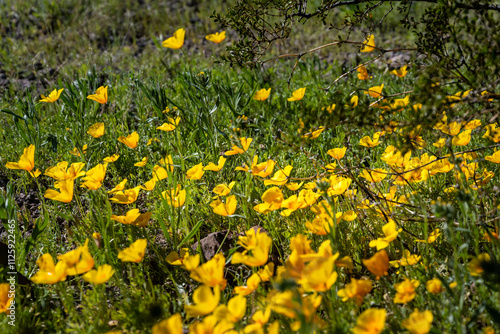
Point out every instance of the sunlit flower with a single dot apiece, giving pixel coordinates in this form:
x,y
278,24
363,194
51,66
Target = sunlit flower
x,y
337,153
96,130
376,175
48,272
355,290
245,144
223,189
5,300
495,157
234,311
434,286
131,140
280,177
167,162
133,217
368,44
432,237
213,167
65,193
418,322
257,245
170,125
76,152
79,260
94,177
406,291
390,233
262,95
26,162
371,321
378,264
367,141
224,209
204,301
177,259
172,325
175,197
475,265
462,139
135,252
298,94
375,91
119,187
217,37
362,73
142,163
61,172
99,276
401,72
127,196
195,172
176,41
53,96
112,158
211,325
101,95
210,273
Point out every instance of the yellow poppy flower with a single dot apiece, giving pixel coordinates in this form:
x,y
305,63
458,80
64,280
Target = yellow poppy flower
x,y
367,141
375,91
204,301
262,94
78,260
401,72
112,158
371,321
26,162
195,172
176,41
65,193
217,37
53,96
133,217
245,144
49,273
175,197
462,139
61,172
96,130
378,264
6,298
101,95
405,291
298,94
362,73
337,153
368,44
119,187
355,290
142,163
135,252
131,140
95,177
224,209
76,152
172,325
418,322
99,276
128,196
213,167
170,125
